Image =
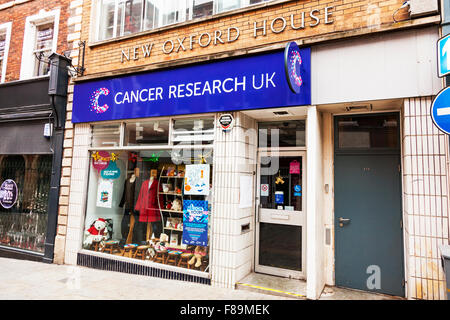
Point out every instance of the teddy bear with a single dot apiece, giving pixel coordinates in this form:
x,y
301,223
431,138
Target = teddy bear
x,y
199,253
97,232
161,244
176,205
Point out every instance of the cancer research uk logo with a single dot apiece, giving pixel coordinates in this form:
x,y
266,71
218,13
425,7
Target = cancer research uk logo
x,y
94,101
293,61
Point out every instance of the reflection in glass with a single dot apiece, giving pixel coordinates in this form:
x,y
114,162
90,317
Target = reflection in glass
x,y
147,133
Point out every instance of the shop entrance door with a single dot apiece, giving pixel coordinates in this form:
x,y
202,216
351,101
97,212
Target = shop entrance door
x,y
281,216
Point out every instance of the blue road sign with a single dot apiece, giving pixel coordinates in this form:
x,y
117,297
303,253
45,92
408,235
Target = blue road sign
x,y
440,110
443,46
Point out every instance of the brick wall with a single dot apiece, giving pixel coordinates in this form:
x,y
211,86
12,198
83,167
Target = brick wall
x,y
17,12
346,15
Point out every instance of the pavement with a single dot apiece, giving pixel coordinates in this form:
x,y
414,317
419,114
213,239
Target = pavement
x,y
28,280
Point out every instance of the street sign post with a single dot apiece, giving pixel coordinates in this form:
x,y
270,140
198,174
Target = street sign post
x,y
443,49
440,110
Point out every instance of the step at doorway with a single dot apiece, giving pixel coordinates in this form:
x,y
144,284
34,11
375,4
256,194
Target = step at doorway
x,y
273,285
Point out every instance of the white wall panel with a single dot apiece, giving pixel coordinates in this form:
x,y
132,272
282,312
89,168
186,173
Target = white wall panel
x,y
382,66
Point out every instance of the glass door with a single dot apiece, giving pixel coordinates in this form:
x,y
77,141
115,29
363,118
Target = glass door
x,y
281,216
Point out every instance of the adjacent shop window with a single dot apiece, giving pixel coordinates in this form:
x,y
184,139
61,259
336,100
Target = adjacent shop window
x,y
193,131
43,48
150,205
24,189
105,135
368,132
40,40
147,133
281,134
5,36
121,17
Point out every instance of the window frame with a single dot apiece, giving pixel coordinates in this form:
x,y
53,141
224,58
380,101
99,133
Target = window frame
x,y
28,64
5,28
186,12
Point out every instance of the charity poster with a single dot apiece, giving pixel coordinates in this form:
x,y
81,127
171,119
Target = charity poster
x,y
195,222
112,171
105,193
196,179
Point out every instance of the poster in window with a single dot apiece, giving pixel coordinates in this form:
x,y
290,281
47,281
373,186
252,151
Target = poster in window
x,y
105,193
195,222
196,179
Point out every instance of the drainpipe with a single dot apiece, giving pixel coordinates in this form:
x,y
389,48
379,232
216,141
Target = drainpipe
x,y
57,91
445,25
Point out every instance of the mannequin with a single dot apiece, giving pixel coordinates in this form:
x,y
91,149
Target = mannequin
x,y
148,207
127,203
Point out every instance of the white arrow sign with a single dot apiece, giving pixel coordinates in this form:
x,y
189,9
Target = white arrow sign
x,y
446,52
443,111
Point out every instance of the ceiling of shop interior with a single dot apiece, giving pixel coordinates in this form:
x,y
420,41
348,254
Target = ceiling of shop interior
x,y
339,108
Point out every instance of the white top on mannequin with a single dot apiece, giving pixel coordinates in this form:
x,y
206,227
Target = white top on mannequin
x,y
152,178
133,178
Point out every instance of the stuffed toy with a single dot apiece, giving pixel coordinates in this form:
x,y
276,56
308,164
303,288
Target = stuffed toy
x,y
176,205
199,253
151,252
97,232
163,240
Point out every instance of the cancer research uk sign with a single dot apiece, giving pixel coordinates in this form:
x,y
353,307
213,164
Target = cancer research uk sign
x,y
252,82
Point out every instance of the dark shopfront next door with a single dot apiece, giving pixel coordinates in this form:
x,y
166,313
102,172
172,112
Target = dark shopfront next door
x,y
368,218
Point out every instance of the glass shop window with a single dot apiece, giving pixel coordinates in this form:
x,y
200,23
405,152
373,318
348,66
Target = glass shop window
x,y
105,135
24,189
193,131
151,15
202,8
147,133
281,134
150,205
132,17
368,132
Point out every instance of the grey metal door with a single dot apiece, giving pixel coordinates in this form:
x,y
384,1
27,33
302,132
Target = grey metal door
x,y
368,219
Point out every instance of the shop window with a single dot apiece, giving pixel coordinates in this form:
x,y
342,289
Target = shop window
x,y
368,132
281,134
105,135
147,133
25,185
150,205
5,36
193,131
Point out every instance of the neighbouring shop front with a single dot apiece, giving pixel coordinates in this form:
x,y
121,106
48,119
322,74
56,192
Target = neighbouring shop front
x,y
162,178
32,114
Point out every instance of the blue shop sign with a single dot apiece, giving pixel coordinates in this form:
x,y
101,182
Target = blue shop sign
x,y
440,110
252,82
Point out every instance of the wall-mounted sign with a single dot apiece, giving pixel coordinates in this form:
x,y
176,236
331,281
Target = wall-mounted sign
x,y
443,49
440,110
196,179
251,82
294,67
195,222
8,194
226,122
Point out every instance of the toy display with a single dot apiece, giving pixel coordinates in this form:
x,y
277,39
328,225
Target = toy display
x,y
97,232
199,253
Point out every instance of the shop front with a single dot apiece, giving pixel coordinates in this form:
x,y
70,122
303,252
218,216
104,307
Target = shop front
x,y
172,168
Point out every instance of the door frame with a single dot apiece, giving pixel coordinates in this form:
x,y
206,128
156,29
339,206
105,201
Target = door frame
x,y
277,218
397,151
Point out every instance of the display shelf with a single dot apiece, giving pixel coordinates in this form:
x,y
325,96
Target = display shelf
x,y
172,193
172,211
173,229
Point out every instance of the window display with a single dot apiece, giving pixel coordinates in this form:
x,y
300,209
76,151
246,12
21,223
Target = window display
x,y
24,189
138,206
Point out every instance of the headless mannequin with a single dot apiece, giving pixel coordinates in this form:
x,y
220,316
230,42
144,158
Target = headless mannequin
x,y
127,202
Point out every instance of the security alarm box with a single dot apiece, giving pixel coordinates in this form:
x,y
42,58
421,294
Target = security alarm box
x,y
420,8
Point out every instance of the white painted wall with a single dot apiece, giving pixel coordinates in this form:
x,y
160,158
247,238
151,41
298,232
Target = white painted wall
x,y
383,66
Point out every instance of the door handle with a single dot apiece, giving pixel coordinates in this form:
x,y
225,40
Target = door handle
x,y
342,221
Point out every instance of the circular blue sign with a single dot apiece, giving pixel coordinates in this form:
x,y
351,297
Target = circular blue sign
x,y
440,110
292,63
8,194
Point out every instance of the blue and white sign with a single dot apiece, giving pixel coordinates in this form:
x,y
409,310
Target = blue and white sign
x,y
443,46
195,222
295,70
440,110
251,82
